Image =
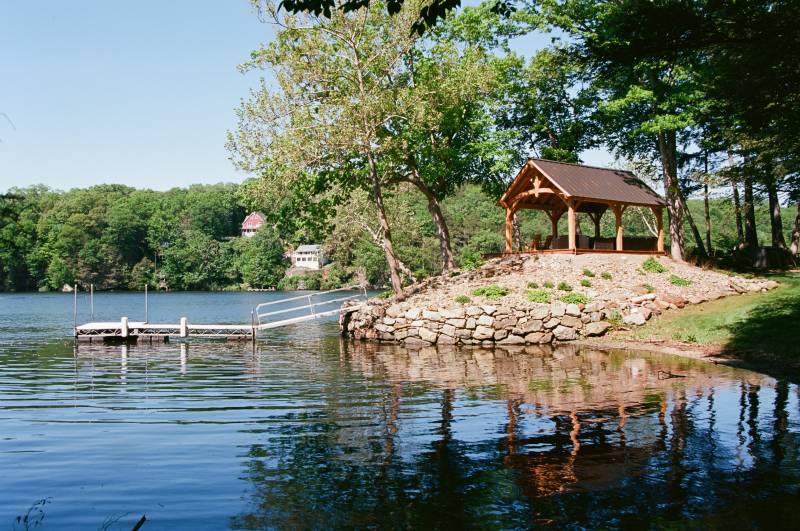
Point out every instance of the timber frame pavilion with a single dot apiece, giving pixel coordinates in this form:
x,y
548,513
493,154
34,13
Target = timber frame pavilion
x,y
558,188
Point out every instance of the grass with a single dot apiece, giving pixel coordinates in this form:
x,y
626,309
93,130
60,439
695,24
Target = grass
x,y
675,280
575,298
493,292
651,265
563,286
533,285
462,299
586,283
760,327
547,284
648,288
588,273
539,296
605,275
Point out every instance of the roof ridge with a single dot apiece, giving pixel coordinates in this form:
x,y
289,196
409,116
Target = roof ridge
x,y
580,165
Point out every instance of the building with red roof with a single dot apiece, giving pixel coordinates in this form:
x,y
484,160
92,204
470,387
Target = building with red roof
x,y
252,223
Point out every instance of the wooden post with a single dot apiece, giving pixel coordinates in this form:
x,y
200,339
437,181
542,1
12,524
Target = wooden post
x,y
596,218
659,213
91,299
184,327
509,230
75,308
124,327
571,222
618,221
145,303
554,224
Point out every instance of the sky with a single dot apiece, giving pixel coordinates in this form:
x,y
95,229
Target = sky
x,y
138,93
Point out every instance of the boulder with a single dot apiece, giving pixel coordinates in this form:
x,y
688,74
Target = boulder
x,y
488,309
552,323
541,312
458,323
558,308
597,328
413,314
453,313
427,335
571,322
573,310
634,319
431,316
485,320
564,333
534,325
483,332
512,340
395,310
500,334
448,330
472,311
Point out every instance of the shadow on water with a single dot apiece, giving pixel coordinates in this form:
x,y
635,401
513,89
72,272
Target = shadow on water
x,y
530,437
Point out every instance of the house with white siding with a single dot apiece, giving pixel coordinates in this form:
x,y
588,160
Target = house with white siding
x,y
308,257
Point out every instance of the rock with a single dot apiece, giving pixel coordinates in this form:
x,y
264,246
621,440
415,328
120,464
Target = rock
x,y
394,311
573,310
512,340
558,308
448,330
389,320
453,313
427,335
413,314
400,334
485,320
647,312
506,323
458,323
488,309
546,338
412,332
471,323
463,333
540,312
483,332
564,333
472,311
595,316
635,319
571,322
552,323
771,284
534,337
447,340
415,341
534,325
642,298
597,328
431,316
675,300
500,334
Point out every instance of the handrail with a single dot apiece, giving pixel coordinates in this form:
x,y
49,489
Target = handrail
x,y
311,306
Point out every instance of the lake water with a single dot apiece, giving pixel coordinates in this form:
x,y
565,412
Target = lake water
x,y
306,430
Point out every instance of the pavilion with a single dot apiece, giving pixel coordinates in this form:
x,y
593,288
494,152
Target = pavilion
x,y
558,188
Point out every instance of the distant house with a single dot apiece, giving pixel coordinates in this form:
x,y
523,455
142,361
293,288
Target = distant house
x,y
252,223
308,257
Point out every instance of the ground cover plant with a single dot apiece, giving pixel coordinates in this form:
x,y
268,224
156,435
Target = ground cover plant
x,y
493,292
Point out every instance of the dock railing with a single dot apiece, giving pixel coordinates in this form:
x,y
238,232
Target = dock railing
x,y
311,310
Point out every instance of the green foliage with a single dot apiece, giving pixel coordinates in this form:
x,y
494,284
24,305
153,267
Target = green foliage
x,y
385,294
547,284
533,285
614,318
469,259
462,299
575,298
261,261
605,275
588,273
678,281
539,296
563,286
493,292
649,288
651,265
586,283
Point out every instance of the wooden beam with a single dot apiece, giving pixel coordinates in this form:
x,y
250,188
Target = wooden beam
x,y
618,210
596,219
509,230
659,213
571,223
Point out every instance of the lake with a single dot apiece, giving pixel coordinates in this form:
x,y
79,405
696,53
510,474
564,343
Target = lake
x,y
307,430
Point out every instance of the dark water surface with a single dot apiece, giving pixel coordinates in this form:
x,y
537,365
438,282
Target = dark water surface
x,y
309,431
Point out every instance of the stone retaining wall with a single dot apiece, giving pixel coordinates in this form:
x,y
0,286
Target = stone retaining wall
x,y
522,323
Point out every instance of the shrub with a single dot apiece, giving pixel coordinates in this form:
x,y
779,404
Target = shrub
x,y
492,292
651,265
614,319
539,296
384,294
533,285
588,273
470,259
678,281
606,275
563,286
548,284
586,283
575,298
462,299
648,288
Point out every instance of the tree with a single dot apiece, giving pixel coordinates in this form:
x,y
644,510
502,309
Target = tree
x,y
262,261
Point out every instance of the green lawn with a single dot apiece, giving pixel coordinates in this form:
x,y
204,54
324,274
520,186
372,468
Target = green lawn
x,y
760,328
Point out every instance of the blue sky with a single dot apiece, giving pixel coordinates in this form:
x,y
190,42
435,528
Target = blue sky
x,y
140,93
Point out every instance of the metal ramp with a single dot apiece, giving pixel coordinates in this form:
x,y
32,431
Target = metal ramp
x,y
311,311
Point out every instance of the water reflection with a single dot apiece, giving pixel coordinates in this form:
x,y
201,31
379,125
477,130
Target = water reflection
x,y
317,432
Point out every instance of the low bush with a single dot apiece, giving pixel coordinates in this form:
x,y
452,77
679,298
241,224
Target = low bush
x,y
678,281
539,296
588,273
575,298
462,299
586,283
563,286
606,275
492,292
651,265
384,294
533,285
614,319
548,284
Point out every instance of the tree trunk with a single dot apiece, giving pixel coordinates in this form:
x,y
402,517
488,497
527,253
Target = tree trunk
x,y
795,246
388,248
707,213
776,223
750,235
737,207
668,149
701,250
442,232
521,245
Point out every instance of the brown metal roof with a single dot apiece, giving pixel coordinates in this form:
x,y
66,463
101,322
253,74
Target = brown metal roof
x,y
604,184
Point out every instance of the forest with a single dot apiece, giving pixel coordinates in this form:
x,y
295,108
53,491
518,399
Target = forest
x,y
388,130
120,238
